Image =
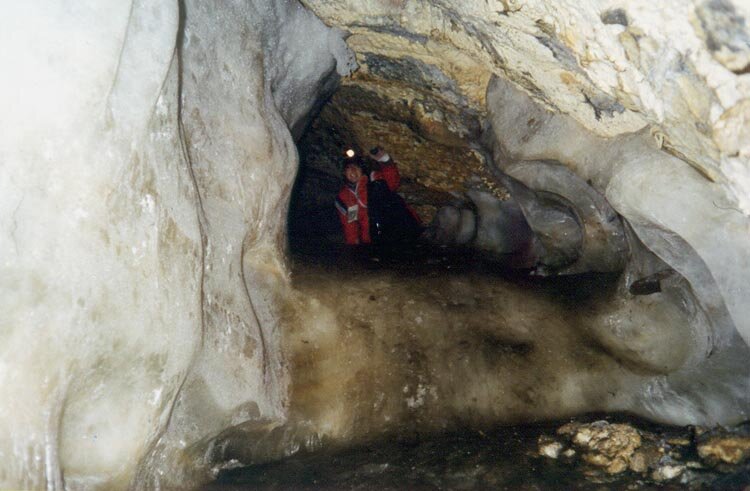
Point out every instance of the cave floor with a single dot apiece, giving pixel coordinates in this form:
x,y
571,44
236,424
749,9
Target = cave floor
x,y
427,260
503,458
496,457
435,263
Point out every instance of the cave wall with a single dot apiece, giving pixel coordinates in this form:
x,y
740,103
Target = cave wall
x,y
659,195
101,244
140,263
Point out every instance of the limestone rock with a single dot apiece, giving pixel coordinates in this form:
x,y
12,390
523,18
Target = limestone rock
x,y
569,453
548,447
609,446
667,472
638,462
610,449
727,448
726,33
646,457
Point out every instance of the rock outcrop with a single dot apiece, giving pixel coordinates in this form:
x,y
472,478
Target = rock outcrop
x,y
694,457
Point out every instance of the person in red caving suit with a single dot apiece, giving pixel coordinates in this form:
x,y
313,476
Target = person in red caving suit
x,y
369,208
351,203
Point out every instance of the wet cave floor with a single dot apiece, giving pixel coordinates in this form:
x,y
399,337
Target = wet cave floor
x,y
504,458
499,457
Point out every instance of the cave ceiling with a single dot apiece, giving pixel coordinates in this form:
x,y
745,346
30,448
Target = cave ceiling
x,y
425,66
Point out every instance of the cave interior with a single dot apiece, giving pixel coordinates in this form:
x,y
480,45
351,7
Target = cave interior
x,y
581,169
433,137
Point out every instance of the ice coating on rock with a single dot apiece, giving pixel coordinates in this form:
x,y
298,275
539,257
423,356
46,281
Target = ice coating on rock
x,y
688,221
501,227
601,246
132,243
302,55
682,202
626,168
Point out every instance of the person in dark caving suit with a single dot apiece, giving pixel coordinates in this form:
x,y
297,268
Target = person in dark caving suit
x,y
391,220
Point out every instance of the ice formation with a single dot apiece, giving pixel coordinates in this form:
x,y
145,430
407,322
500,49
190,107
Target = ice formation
x,y
147,155
139,259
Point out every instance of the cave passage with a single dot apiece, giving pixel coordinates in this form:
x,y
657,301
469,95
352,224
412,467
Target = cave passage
x,y
314,228
433,175
528,298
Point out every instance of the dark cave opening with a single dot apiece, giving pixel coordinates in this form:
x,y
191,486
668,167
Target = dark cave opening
x,y
315,233
436,169
312,221
314,227
469,218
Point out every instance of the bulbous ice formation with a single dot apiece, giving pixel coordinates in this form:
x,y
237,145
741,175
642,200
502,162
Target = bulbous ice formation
x,y
673,210
598,241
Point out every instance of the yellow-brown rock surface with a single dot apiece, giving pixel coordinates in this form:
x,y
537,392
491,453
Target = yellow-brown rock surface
x,y
728,449
615,70
609,446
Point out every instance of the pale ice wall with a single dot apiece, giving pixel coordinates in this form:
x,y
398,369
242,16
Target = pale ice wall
x,y
101,248
688,222
646,185
142,200
291,30
237,99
